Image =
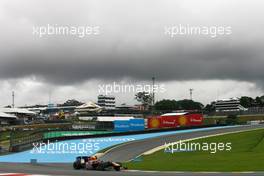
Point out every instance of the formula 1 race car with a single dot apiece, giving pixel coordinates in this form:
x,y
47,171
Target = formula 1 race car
x,y
92,163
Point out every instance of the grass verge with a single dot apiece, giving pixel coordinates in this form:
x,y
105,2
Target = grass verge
x,y
247,154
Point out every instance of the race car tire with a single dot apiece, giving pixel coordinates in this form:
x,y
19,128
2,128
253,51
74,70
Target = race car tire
x,y
77,166
117,168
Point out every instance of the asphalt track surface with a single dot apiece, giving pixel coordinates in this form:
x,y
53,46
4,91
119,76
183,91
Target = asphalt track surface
x,y
126,152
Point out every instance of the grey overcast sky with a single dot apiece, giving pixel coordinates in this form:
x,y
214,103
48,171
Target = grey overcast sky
x,y
132,46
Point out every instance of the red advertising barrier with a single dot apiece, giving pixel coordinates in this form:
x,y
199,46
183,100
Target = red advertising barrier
x,y
154,122
173,120
169,121
195,119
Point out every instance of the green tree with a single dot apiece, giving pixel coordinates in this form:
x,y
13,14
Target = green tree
x,y
166,105
170,105
247,101
145,98
72,103
260,101
209,108
190,105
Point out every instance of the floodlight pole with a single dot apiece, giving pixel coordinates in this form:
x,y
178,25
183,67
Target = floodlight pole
x,y
191,93
13,99
153,91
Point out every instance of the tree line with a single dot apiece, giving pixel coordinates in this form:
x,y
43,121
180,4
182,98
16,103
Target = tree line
x,y
170,104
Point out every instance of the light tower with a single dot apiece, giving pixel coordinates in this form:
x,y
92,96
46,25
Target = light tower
x,y
153,91
191,93
13,99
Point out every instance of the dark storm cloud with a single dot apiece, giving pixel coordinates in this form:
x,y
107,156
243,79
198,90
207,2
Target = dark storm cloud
x,y
132,43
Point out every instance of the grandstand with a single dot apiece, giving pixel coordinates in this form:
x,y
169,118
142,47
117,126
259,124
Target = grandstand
x,y
232,104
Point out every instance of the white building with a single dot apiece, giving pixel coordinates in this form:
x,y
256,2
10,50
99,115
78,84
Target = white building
x,y
88,107
232,104
22,114
106,101
5,118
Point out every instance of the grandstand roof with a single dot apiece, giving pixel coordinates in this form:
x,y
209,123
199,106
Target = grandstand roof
x,y
5,115
175,114
112,118
89,106
17,111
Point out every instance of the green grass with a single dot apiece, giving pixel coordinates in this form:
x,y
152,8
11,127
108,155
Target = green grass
x,y
4,135
247,154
